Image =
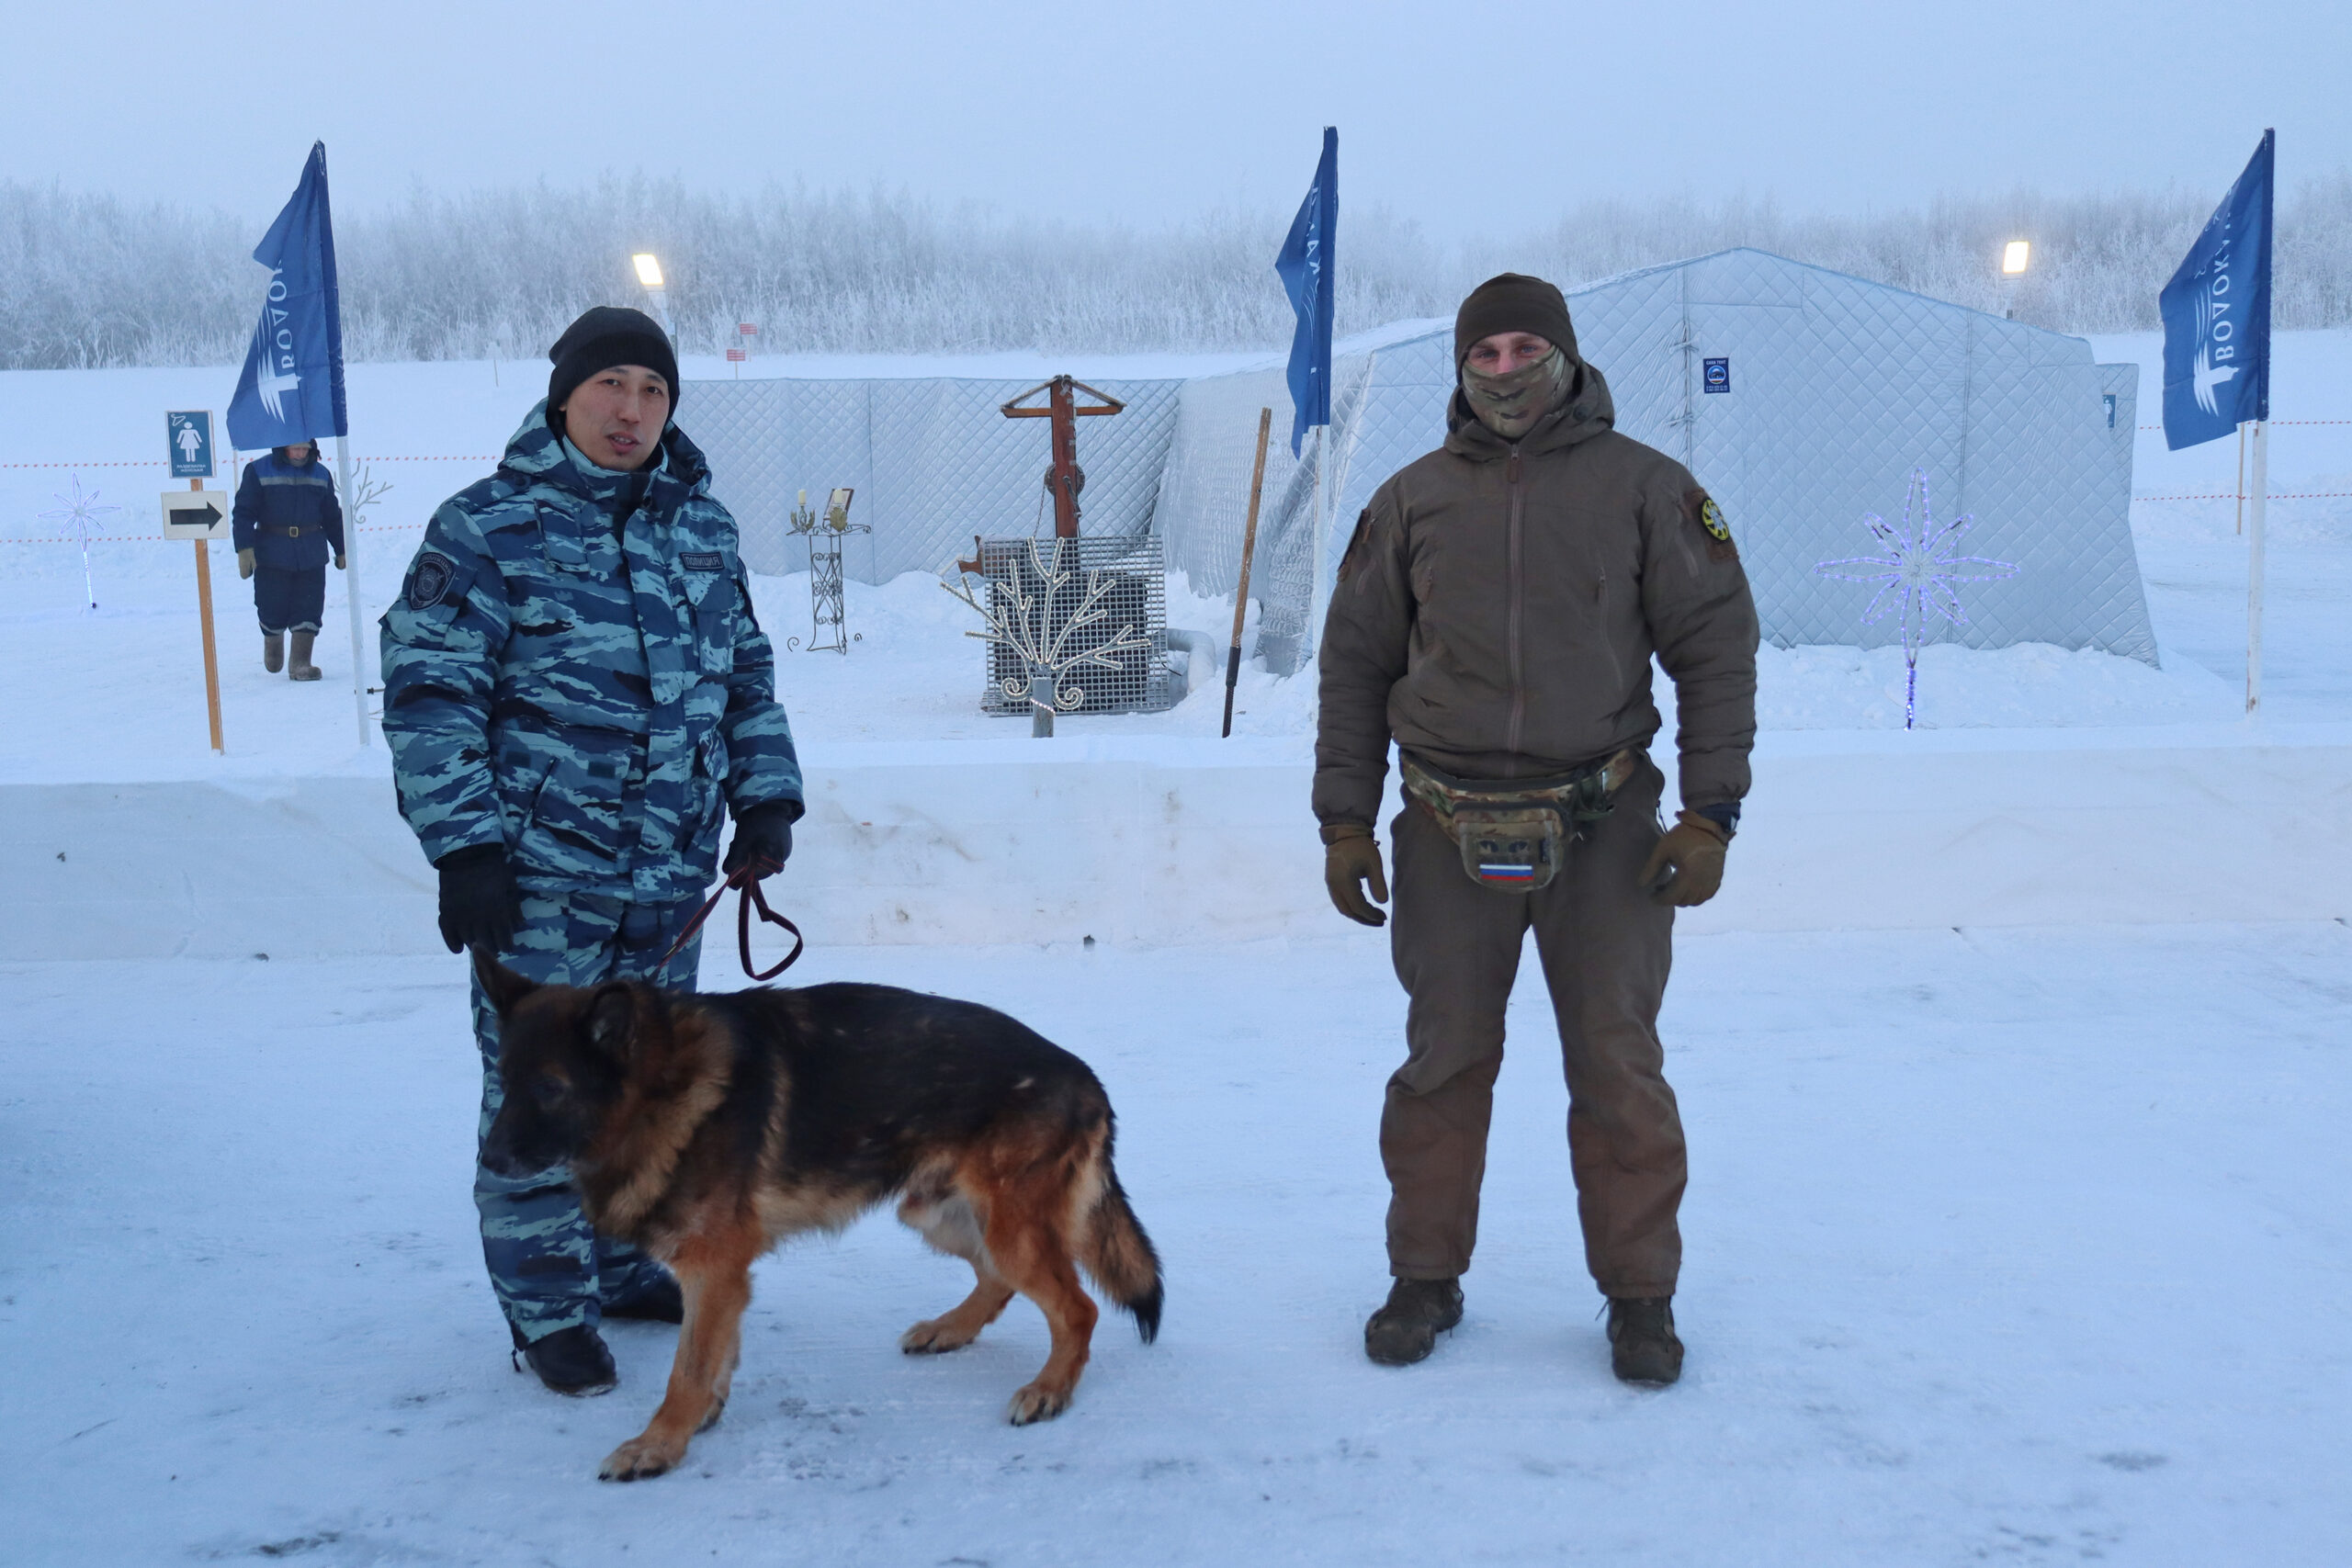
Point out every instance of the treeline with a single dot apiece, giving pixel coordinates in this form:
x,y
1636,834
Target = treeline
x,y
92,280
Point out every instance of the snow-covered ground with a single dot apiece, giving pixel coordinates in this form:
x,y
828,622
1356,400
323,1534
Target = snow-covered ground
x,y
2006,1243
2011,1246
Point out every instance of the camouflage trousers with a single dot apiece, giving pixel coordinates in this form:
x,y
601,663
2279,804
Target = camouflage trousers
x,y
550,1268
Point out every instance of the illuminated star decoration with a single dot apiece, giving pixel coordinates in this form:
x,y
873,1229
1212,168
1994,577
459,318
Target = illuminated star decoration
x,y
1915,576
83,512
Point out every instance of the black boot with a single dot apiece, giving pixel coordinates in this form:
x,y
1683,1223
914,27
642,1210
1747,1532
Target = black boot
x,y
1643,1348
1405,1327
655,1297
570,1360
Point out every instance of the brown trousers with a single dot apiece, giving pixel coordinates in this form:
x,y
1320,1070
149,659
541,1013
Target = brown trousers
x,y
1605,948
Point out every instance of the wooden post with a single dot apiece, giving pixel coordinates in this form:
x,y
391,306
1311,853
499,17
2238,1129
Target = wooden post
x,y
1241,589
204,617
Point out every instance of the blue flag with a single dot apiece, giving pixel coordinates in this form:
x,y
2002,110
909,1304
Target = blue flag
x,y
2217,316
291,387
1305,265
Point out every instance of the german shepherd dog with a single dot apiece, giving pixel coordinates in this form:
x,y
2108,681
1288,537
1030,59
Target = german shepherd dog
x,y
707,1129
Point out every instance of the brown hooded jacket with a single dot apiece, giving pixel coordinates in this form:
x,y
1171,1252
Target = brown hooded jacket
x,y
1498,606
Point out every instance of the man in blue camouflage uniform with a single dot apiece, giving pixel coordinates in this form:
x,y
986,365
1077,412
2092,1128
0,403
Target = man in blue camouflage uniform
x,y
576,693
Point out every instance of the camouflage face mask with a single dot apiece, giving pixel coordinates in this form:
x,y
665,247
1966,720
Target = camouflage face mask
x,y
1509,405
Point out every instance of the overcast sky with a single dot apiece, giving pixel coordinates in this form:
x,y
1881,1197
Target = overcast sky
x,y
1470,116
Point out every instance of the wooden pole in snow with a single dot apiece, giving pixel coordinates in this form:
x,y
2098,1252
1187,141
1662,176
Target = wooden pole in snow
x,y
1241,589
204,618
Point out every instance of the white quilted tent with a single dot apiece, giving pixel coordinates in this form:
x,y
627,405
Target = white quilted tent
x,y
1836,389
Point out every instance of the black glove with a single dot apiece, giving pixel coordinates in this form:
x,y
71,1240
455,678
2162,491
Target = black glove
x,y
480,904
762,839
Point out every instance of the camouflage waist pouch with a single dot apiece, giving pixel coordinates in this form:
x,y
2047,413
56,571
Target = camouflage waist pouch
x,y
1513,835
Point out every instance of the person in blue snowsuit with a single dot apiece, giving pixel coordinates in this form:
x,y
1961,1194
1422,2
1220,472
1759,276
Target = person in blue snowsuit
x,y
287,523
577,695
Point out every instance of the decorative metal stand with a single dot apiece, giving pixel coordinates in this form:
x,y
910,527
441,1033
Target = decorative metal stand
x,y
1051,608
828,615
1052,604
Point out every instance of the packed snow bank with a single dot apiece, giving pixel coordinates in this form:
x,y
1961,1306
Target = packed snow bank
x,y
1145,841
2001,1247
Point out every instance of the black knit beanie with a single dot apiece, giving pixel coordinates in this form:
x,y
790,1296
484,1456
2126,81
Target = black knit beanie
x,y
605,336
1513,302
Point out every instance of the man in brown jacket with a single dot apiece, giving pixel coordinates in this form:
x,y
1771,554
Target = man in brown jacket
x,y
1495,615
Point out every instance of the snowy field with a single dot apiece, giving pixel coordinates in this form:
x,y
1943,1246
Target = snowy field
x,y
2007,1242
2010,1246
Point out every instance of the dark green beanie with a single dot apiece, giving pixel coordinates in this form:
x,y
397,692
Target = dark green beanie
x,y
1513,302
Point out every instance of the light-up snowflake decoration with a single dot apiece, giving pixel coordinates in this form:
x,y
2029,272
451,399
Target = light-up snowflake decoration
x,y
1915,576
1032,615
82,513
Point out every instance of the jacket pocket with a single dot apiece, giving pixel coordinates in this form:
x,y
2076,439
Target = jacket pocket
x,y
706,581
572,828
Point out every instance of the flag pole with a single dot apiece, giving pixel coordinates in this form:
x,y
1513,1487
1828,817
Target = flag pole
x,y
2260,496
351,583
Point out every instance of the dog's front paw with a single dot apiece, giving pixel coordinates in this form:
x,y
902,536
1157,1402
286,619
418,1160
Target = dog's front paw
x,y
935,1337
1037,1403
642,1458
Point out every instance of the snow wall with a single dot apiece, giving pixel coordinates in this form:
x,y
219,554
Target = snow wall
x,y
1836,389
1151,842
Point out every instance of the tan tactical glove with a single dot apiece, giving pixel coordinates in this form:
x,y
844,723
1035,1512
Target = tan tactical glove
x,y
245,563
1693,849
1350,858
338,561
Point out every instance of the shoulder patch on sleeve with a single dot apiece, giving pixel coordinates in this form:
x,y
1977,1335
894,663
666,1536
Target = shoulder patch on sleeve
x,y
701,560
428,580
1709,517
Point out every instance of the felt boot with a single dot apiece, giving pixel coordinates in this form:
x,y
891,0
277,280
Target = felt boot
x,y
301,668
273,651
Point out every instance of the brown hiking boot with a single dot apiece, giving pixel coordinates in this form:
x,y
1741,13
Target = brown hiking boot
x,y
273,651
1405,1327
1643,1348
301,669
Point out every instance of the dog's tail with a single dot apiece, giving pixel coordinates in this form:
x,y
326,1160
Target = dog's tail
x,y
1121,1257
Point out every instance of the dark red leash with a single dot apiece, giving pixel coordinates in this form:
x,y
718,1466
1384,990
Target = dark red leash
x,y
748,884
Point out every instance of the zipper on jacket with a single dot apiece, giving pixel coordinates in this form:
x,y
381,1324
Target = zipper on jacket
x,y
1518,607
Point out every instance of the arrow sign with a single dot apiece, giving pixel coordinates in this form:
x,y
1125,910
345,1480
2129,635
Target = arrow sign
x,y
196,515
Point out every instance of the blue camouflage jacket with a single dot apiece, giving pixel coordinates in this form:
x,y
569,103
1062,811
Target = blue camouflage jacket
x,y
585,693
286,514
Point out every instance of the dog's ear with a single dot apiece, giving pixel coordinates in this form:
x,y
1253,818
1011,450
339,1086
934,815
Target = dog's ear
x,y
501,984
612,1019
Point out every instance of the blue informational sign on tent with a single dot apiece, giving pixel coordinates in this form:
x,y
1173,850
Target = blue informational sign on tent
x,y
291,387
1305,265
2217,316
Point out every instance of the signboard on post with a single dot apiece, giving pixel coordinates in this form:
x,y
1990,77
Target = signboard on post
x,y
187,437
196,515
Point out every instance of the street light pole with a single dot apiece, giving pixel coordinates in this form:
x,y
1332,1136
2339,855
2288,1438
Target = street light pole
x,y
2015,255
649,273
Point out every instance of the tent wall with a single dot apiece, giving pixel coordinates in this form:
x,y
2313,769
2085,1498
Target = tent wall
x,y
1839,388
933,462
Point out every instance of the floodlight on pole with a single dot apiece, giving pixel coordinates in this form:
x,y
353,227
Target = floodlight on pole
x,y
649,273
2014,256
